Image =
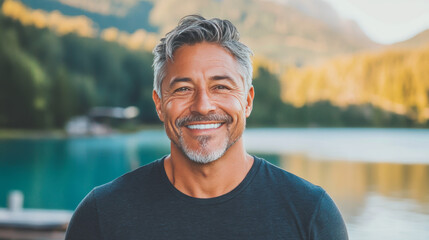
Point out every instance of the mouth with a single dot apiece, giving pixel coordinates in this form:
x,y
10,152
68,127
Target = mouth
x,y
204,126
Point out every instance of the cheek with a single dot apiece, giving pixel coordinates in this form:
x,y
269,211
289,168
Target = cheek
x,y
169,113
233,105
240,103
175,108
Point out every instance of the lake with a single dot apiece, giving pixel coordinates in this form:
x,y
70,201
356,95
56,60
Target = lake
x,y
379,178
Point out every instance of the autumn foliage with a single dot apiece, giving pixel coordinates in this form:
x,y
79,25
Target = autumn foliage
x,y
395,80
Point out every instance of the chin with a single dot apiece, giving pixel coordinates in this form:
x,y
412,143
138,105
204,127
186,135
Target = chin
x,y
203,155
204,158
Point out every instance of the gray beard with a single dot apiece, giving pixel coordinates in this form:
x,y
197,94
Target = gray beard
x,y
202,155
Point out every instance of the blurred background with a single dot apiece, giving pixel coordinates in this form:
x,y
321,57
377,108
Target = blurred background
x,y
342,92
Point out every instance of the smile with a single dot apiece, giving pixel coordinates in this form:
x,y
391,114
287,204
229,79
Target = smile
x,y
204,126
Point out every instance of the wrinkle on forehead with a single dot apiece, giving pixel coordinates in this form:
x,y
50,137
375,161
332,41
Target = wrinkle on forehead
x,y
209,59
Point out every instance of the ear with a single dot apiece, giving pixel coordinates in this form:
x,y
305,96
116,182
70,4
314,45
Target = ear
x,y
157,101
250,96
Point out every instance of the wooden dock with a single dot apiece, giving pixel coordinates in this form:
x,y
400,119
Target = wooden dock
x,y
33,223
26,234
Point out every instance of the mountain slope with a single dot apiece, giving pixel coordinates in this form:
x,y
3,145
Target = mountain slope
x,y
135,18
280,32
419,40
297,32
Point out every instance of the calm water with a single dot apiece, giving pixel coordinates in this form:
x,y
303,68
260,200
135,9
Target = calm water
x,y
378,178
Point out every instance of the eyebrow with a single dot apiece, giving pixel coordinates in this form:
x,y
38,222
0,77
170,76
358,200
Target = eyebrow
x,y
177,80
223,77
213,78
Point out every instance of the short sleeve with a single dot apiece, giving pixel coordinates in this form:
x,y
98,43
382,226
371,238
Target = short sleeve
x,y
84,223
327,222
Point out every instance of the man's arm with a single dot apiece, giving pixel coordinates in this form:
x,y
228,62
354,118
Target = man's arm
x,y
84,223
327,222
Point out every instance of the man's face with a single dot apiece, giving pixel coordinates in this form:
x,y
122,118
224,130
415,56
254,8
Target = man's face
x,y
204,104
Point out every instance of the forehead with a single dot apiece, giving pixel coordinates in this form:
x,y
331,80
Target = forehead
x,y
201,58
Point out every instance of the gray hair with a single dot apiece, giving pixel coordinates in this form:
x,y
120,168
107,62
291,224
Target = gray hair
x,y
195,29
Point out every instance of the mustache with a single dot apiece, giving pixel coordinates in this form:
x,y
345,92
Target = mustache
x,y
221,117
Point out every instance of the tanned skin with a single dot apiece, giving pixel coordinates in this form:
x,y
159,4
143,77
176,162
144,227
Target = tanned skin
x,y
204,79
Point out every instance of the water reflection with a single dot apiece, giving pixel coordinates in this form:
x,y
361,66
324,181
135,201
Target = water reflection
x,y
58,173
378,200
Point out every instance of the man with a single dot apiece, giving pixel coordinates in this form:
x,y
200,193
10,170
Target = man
x,y
208,187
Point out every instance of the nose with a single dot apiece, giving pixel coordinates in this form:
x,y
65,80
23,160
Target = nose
x,y
202,103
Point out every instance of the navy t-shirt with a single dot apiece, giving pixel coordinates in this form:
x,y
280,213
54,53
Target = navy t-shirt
x,y
269,203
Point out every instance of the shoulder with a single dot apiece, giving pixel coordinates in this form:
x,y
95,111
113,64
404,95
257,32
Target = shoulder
x,y
84,223
115,201
138,181
314,205
327,222
293,193
287,182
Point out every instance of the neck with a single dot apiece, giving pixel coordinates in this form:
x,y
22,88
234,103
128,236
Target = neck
x,y
208,180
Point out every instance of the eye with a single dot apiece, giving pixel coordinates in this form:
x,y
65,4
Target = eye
x,y
221,87
182,89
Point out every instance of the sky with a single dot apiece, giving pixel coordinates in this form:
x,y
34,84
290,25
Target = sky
x,y
386,21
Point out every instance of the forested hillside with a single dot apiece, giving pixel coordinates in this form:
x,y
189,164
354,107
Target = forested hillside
x,y
49,74
270,110
395,80
45,79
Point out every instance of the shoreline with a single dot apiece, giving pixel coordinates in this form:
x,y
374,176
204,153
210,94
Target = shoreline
x,y
16,134
10,134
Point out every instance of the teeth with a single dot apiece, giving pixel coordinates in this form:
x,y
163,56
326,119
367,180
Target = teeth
x,y
204,126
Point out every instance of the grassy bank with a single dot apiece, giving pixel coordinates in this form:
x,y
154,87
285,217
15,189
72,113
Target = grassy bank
x,y
26,133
